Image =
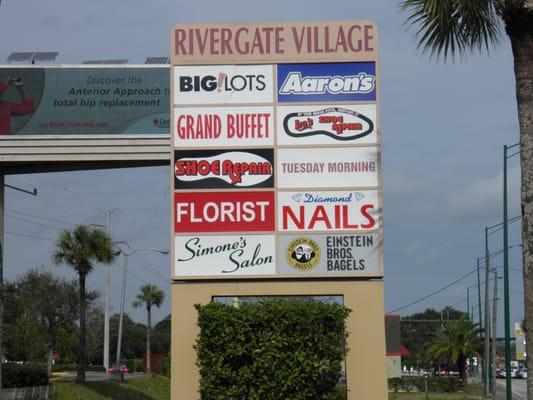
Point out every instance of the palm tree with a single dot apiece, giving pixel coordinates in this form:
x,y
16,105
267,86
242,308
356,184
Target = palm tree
x,y
150,295
80,249
457,342
457,27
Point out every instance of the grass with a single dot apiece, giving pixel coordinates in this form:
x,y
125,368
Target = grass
x,y
157,388
474,391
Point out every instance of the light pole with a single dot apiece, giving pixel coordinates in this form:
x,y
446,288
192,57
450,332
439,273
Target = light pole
x,y
123,299
506,305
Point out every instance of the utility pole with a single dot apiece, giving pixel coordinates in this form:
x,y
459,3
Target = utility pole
x,y
2,179
494,330
107,310
2,205
506,301
487,320
468,302
481,369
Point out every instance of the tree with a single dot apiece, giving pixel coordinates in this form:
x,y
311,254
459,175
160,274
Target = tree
x,y
95,334
457,27
133,337
161,336
150,296
416,334
80,249
457,341
59,310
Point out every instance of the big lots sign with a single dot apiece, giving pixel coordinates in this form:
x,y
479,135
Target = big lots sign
x,y
223,212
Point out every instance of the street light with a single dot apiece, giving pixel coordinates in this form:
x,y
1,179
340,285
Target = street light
x,y
506,305
123,298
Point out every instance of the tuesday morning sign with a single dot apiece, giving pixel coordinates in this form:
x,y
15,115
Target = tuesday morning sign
x,y
276,151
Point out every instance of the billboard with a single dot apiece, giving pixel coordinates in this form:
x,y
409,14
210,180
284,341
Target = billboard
x,y
68,100
276,150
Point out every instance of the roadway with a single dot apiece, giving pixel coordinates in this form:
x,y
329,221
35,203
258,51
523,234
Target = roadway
x,y
518,387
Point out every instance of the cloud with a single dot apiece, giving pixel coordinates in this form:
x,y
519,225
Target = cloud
x,y
482,200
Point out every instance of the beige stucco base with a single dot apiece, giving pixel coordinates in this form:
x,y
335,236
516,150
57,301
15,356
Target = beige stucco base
x,y
366,366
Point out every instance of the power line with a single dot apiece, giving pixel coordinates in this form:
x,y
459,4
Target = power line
x,y
29,236
158,274
500,225
33,222
434,293
43,218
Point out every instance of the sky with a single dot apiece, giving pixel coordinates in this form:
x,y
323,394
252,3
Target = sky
x,y
443,128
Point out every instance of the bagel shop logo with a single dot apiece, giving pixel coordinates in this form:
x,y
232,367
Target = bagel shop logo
x,y
215,169
326,82
337,123
303,254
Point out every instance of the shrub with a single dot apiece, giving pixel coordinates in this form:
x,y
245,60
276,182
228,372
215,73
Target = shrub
x,y
135,364
62,367
275,349
95,368
24,375
163,367
436,384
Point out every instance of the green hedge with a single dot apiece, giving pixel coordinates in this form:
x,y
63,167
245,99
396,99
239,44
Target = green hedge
x,y
436,384
164,367
276,349
24,375
135,365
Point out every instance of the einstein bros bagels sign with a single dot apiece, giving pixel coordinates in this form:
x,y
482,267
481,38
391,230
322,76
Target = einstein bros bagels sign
x,y
276,151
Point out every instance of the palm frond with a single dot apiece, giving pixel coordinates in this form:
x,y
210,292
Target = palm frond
x,y
450,28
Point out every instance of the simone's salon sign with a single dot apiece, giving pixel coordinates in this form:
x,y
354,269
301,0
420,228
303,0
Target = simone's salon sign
x,y
224,255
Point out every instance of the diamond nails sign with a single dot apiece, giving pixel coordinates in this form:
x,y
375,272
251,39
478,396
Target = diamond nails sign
x,y
276,151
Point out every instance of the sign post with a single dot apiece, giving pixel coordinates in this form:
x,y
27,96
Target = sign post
x,y
276,173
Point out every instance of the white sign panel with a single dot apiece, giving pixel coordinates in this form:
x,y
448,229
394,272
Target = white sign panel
x,y
227,255
328,211
223,127
334,125
330,255
223,84
327,167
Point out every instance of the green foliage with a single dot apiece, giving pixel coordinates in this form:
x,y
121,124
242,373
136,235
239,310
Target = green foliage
x,y
163,367
24,375
135,364
33,328
435,384
161,336
150,296
457,341
133,337
415,335
270,350
152,388
64,367
453,27
82,247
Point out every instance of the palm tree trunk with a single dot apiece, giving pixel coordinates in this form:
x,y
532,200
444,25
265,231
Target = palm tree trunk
x,y
520,30
148,349
461,361
82,342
